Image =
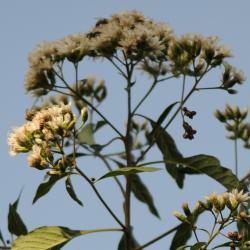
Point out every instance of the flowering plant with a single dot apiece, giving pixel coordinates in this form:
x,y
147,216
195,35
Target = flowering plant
x,y
59,131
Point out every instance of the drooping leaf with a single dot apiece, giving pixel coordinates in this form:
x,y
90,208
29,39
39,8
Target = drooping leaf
x,y
45,238
71,191
169,150
16,225
129,171
142,193
210,166
122,243
45,187
86,134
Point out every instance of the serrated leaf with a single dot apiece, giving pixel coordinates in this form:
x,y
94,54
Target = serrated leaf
x,y
169,150
86,134
142,193
122,243
71,191
45,187
210,166
129,171
16,225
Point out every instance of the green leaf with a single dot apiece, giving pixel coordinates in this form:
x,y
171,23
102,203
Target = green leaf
x,y
86,134
226,244
45,187
45,238
210,166
142,193
99,125
128,171
122,243
71,191
169,150
198,245
164,114
181,236
184,232
16,225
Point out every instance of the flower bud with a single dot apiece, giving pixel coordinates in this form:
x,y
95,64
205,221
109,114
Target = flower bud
x,y
186,209
179,216
84,114
220,116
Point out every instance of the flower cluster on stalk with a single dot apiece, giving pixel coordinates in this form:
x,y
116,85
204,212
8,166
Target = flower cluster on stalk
x,y
43,135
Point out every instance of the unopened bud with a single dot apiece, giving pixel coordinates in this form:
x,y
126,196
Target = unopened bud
x,y
186,209
84,114
179,216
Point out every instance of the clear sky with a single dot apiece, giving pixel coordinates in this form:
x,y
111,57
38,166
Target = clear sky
x,y
24,24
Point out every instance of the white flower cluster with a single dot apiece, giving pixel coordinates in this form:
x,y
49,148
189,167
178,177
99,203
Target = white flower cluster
x,y
130,36
44,130
216,203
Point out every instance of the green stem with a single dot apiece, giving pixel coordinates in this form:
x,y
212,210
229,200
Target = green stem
x,y
101,230
145,96
175,114
158,238
128,144
99,196
89,104
236,156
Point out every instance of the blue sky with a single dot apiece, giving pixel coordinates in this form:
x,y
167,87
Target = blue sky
x,y
26,23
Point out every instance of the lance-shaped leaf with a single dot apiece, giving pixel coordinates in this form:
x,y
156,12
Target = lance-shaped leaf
x,y
210,166
164,115
71,191
129,171
45,187
16,225
45,238
86,134
181,236
228,244
169,150
122,243
142,193
184,232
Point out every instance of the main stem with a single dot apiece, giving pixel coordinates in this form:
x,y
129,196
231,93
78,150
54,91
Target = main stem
x,y
236,156
128,143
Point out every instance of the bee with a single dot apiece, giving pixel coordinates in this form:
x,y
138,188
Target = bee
x,y
29,115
